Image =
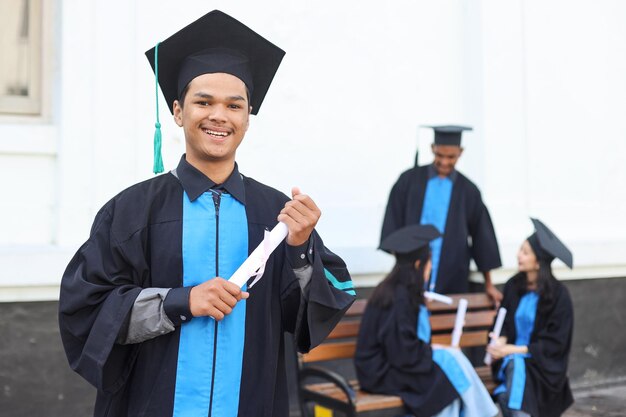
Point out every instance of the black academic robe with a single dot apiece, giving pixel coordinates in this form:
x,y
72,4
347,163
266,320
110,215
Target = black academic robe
x,y
469,232
390,359
135,243
547,385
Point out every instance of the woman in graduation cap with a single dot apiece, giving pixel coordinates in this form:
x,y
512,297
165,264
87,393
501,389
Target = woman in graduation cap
x,y
533,351
394,355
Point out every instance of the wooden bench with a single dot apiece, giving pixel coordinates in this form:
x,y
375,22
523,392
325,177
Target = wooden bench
x,y
320,387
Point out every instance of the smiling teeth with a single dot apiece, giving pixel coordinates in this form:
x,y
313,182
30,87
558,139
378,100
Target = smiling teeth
x,y
211,132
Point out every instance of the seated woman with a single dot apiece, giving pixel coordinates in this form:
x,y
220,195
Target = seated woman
x,y
394,355
533,370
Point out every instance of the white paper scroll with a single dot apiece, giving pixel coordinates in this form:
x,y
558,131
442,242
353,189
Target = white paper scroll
x,y
255,264
497,329
438,297
459,322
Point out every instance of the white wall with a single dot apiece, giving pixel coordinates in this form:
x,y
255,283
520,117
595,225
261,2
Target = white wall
x,y
553,108
541,83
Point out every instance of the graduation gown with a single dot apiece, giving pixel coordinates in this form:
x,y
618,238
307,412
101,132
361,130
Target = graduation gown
x,y
468,219
136,242
546,386
391,359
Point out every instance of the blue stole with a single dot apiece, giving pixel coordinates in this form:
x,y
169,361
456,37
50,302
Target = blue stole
x,y
524,324
435,211
195,376
442,357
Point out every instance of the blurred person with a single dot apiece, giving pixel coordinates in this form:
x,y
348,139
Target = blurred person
x,y
394,355
532,353
438,194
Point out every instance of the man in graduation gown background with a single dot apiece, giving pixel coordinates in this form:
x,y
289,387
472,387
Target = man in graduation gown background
x,y
147,314
440,195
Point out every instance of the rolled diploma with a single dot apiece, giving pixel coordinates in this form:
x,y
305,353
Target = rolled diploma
x,y
497,329
459,322
438,297
259,256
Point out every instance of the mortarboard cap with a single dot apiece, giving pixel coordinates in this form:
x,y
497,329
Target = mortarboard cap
x,y
214,43
448,134
547,246
409,239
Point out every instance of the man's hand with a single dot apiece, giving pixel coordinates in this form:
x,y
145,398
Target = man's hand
x,y
493,293
215,298
300,215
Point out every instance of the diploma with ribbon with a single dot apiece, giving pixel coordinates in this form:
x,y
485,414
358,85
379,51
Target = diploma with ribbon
x,y
497,329
459,322
255,264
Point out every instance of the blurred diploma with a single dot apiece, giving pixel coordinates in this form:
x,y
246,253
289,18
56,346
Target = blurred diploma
x,y
459,322
497,329
255,264
438,297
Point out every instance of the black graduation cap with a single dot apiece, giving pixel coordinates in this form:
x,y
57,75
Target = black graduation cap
x,y
547,246
214,43
448,134
409,239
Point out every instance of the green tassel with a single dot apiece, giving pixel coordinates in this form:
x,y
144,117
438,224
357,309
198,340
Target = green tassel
x,y
158,159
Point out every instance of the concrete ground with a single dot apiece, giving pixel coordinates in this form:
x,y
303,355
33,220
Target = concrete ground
x,y
599,402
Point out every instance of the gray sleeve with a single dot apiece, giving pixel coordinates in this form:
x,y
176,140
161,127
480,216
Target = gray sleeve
x,y
301,258
147,318
304,277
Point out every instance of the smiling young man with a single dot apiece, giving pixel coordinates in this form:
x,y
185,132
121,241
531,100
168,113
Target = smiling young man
x,y
214,114
147,314
438,194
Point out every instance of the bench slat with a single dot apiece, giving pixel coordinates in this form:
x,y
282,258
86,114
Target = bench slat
x,y
365,401
346,350
468,339
370,402
356,309
345,329
330,351
475,302
440,322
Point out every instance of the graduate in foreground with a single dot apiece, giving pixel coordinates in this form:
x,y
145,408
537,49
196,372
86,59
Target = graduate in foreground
x,y
394,355
532,353
146,313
